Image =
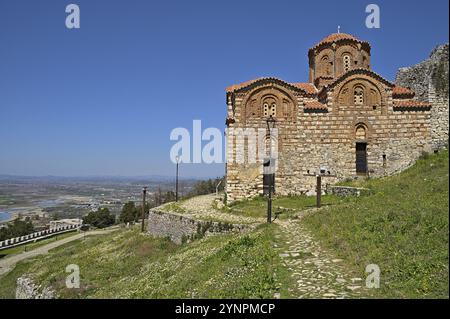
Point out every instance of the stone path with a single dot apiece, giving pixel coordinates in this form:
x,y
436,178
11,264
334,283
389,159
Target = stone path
x,y
201,207
317,273
8,263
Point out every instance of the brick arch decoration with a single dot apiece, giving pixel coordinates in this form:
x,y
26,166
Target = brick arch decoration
x,y
373,95
361,132
358,124
286,103
323,61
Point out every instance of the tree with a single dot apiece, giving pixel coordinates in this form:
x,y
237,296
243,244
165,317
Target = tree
x,y
139,210
100,218
16,229
129,213
207,187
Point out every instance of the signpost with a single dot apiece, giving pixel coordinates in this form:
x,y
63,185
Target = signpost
x,y
322,173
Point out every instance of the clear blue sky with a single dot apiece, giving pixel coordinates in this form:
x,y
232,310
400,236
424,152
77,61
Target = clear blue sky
x,y
103,99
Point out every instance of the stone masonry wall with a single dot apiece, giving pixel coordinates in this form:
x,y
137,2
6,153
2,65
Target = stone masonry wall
x,y
395,139
429,80
27,289
322,126
181,229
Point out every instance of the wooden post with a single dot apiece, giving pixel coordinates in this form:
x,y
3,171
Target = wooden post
x,y
319,185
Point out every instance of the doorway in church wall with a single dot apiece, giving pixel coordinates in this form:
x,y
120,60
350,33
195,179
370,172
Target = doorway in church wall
x,y
361,158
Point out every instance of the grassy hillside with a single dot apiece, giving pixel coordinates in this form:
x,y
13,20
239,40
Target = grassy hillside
x,y
403,228
128,264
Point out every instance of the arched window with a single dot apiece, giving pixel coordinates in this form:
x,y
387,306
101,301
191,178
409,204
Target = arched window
x,y
269,107
286,108
346,62
358,96
326,65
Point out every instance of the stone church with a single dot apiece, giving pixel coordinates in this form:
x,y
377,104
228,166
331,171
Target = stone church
x,y
347,120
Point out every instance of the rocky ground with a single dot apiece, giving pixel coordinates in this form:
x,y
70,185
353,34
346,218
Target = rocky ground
x,y
317,273
203,207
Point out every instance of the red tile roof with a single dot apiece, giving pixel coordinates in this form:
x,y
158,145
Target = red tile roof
x,y
358,71
400,91
308,87
411,104
315,105
338,36
235,87
334,37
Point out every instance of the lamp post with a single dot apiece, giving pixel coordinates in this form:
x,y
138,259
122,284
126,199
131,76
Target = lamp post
x,y
144,192
270,121
177,158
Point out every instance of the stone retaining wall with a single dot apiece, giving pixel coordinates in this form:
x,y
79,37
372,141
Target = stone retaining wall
x,y
347,190
182,229
27,289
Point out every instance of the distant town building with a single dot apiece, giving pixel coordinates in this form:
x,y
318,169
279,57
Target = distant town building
x,y
65,222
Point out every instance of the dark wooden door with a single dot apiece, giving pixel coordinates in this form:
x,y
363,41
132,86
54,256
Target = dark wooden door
x,y
361,158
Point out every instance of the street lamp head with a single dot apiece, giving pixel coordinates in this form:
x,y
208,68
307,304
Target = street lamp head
x,y
177,158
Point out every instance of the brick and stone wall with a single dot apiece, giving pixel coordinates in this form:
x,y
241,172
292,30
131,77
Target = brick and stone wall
x,y
181,228
395,139
321,124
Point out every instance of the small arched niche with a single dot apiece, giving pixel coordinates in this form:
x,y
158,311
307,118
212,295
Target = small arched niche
x,y
361,132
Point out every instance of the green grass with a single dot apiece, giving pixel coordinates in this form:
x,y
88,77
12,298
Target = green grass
x,y
286,205
127,264
403,228
174,207
33,245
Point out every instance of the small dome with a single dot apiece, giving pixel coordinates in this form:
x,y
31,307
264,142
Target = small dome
x,y
336,37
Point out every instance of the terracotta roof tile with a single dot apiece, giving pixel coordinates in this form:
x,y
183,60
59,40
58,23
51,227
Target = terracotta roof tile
x,y
235,87
308,87
400,91
315,105
338,36
411,104
334,37
357,71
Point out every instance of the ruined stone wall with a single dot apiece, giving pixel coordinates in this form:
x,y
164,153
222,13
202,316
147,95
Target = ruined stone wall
x,y
429,80
347,191
181,229
27,289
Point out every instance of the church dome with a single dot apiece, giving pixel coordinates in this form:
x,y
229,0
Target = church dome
x,y
335,37
338,36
